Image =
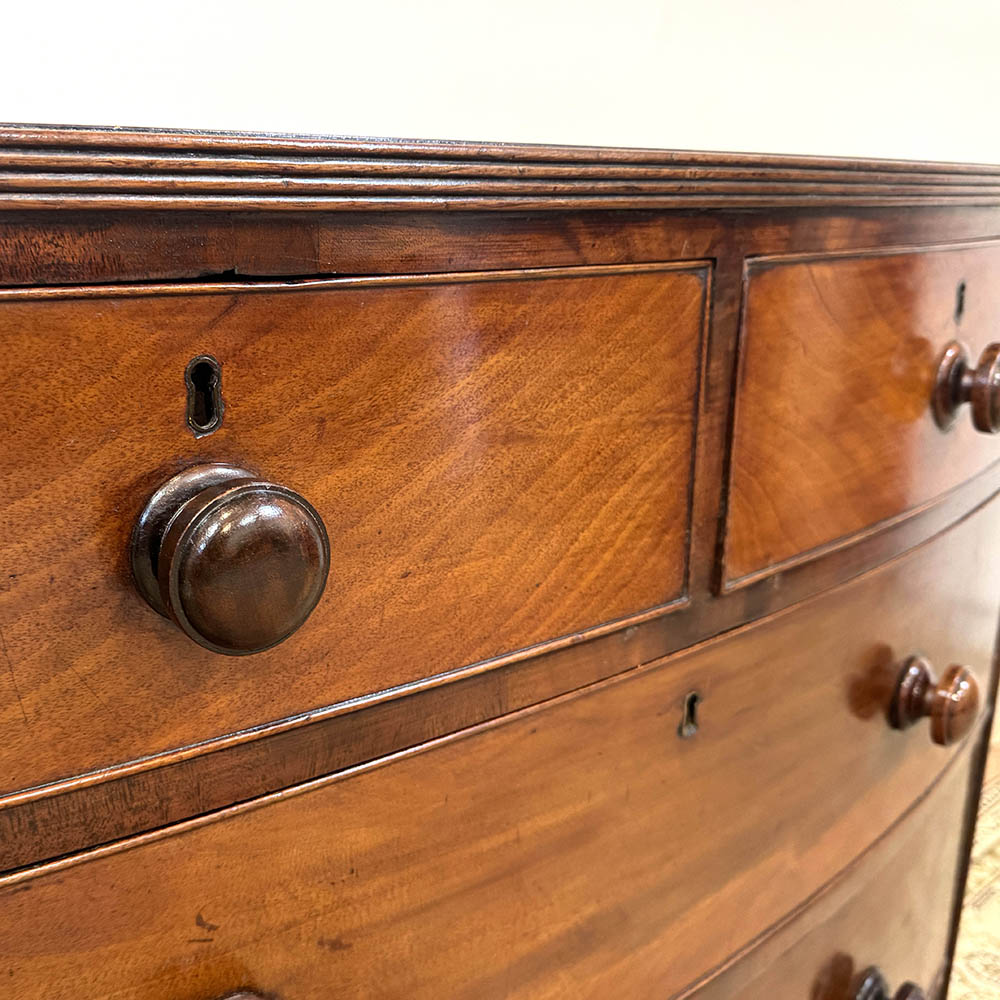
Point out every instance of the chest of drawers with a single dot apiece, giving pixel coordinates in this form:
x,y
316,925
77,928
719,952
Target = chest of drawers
x,y
438,570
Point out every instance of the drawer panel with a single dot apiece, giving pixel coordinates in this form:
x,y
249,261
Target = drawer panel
x,y
500,459
893,911
581,848
833,426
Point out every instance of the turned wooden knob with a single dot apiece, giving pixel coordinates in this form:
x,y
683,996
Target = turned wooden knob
x,y
951,704
872,986
958,383
236,562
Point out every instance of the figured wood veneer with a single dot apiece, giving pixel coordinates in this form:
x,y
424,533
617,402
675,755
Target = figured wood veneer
x,y
833,427
582,847
499,459
892,909
582,841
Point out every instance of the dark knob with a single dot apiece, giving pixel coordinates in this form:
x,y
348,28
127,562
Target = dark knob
x,y
958,383
872,986
952,703
236,562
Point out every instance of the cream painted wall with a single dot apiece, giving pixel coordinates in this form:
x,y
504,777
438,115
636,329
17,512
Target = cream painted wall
x,y
915,79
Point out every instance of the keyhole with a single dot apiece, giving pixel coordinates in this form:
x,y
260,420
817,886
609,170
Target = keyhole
x,y
689,719
959,301
205,407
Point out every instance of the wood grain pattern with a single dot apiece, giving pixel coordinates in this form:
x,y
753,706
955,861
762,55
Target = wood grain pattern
x,y
74,247
579,842
59,818
141,795
833,427
498,433
499,460
890,909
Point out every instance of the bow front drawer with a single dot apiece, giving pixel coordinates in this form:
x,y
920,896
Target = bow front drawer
x,y
835,425
880,931
608,839
471,465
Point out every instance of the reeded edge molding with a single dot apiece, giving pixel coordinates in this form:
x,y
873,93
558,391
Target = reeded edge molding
x,y
47,167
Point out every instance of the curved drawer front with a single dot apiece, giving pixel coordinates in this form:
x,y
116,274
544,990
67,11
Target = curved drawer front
x,y
499,460
834,430
585,842
891,912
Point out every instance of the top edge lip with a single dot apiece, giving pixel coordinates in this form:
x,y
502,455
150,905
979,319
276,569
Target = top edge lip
x,y
98,139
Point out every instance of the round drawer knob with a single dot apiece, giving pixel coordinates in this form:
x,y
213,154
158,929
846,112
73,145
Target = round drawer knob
x,y
872,986
951,704
958,383
236,562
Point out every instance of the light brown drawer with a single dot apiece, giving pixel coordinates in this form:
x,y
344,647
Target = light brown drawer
x,y
581,848
892,911
833,426
500,459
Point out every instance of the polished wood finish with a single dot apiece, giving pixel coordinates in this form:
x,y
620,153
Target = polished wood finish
x,y
834,430
55,819
237,563
891,908
952,704
442,487
77,248
603,849
46,168
552,730
944,602
958,382
872,986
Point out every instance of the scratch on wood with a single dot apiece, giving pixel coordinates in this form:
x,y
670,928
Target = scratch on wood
x,y
232,304
334,944
83,680
13,678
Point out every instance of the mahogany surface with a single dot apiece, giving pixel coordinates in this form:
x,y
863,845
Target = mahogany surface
x,y
434,425
236,563
891,909
582,841
951,703
637,507
833,429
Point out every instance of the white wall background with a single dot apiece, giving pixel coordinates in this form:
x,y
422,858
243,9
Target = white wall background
x,y
897,78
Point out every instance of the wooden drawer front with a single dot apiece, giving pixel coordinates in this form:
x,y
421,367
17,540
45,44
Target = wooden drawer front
x,y
893,910
499,459
581,848
833,426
